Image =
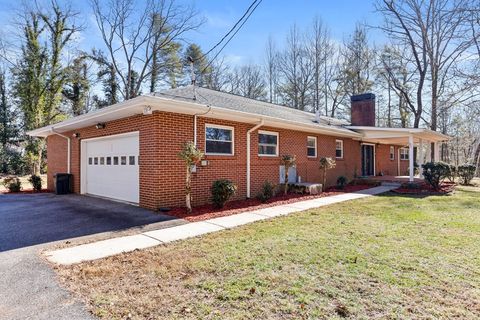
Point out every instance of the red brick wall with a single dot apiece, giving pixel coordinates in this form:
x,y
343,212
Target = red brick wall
x,y
162,173
57,158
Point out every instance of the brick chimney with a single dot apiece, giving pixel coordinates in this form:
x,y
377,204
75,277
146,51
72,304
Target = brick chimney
x,y
363,110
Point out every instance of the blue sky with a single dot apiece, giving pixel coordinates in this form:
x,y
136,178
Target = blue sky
x,y
272,17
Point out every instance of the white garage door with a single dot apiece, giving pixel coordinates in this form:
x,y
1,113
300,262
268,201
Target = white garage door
x,y
111,167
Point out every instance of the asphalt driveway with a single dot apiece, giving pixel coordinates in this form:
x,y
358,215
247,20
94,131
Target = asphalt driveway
x,y
31,223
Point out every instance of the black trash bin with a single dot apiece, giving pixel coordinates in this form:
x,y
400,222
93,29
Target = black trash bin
x,y
63,183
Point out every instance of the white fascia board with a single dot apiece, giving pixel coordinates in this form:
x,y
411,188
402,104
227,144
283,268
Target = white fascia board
x,y
80,121
132,106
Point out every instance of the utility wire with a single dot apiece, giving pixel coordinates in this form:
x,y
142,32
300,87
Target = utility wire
x,y
233,35
231,30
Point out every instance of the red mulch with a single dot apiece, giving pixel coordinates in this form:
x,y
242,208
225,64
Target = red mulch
x,y
26,191
426,189
208,211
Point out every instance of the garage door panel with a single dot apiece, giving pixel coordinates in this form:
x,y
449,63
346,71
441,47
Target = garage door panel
x,y
112,167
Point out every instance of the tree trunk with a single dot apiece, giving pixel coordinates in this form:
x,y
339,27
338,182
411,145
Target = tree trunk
x,y
188,190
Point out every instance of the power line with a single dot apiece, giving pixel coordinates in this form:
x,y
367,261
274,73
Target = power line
x,y
233,35
231,30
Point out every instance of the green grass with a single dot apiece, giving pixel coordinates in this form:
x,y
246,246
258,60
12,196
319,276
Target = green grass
x,y
390,257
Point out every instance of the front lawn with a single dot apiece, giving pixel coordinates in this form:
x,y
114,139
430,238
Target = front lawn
x,y
389,256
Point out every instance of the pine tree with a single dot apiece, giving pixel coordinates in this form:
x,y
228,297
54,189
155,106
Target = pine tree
x,y
200,64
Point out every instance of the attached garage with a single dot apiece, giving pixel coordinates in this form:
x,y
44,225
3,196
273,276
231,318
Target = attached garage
x,y
110,167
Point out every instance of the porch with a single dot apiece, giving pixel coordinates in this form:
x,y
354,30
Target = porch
x,y
425,141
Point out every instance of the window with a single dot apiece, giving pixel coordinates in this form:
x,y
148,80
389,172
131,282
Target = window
x,y
218,140
115,161
267,143
131,160
102,161
90,161
312,147
339,149
123,160
109,161
404,153
95,161
392,153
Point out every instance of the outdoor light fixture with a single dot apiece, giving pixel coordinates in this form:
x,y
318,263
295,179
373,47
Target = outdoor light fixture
x,y
100,126
147,110
76,135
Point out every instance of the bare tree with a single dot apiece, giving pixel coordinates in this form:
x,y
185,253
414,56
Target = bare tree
x,y
248,81
320,51
134,32
296,70
271,70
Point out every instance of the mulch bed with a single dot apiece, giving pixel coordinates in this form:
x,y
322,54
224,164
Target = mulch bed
x,y
208,211
426,189
26,191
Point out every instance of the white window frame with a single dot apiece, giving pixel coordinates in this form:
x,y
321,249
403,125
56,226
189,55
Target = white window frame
x,y
407,155
308,147
271,133
217,126
392,153
341,143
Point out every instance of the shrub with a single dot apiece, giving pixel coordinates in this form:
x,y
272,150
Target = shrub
x,y
434,173
452,173
13,184
341,182
268,191
36,182
466,172
222,191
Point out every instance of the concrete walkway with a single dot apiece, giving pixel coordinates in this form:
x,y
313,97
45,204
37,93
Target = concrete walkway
x,y
102,249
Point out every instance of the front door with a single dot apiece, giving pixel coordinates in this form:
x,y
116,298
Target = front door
x,y
368,160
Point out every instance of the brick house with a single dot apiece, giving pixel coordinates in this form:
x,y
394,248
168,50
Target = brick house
x,y
129,151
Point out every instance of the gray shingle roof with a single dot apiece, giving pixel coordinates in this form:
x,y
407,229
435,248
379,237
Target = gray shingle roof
x,y
234,102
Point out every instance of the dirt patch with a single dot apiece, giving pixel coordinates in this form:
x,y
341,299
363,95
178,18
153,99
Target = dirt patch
x,y
208,211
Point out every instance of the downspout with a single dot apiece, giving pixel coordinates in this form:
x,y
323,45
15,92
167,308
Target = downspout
x,y
68,147
248,154
195,124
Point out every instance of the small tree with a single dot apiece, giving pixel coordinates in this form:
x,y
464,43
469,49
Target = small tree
x,y
287,161
466,172
191,155
326,163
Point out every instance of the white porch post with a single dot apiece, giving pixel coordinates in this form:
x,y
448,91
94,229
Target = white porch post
x,y
410,158
436,152
420,156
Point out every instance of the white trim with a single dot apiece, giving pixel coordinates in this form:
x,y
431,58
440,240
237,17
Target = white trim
x,y
316,147
374,156
217,126
392,153
342,148
271,133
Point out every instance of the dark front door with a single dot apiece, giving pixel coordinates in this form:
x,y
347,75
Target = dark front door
x,y
368,160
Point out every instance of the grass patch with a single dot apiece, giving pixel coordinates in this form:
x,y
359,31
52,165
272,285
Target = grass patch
x,y
390,256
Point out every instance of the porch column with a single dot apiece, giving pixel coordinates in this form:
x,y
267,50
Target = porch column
x,y
420,157
436,152
410,158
